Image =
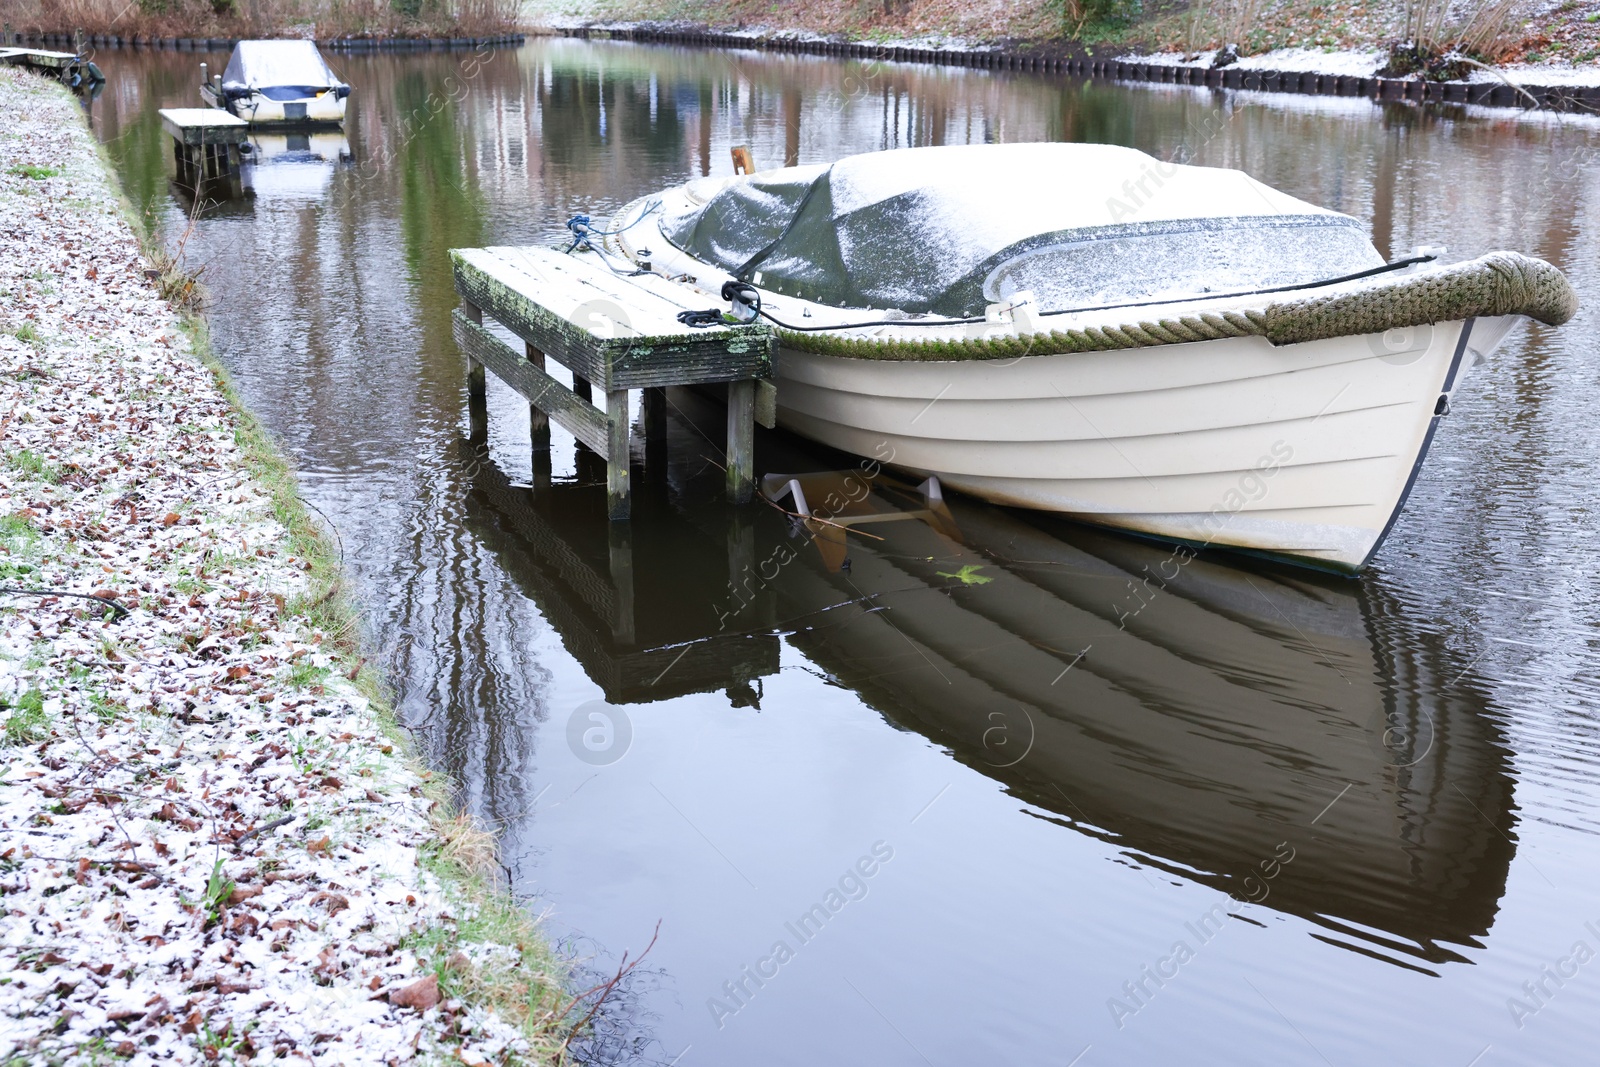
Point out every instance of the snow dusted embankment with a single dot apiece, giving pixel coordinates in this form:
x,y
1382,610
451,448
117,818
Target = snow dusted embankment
x,y
209,849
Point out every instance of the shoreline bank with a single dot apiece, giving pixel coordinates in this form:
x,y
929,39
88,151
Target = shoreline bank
x,y
216,841
1287,71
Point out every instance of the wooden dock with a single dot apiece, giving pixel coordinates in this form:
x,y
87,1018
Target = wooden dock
x,y
73,68
615,333
206,146
37,58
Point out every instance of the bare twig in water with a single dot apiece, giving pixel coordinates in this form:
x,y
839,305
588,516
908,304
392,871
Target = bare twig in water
x,y
624,968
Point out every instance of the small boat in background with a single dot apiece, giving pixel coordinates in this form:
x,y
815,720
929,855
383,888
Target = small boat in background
x,y
277,84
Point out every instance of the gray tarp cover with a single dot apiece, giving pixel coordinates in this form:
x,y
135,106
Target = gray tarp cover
x,y
946,230
268,64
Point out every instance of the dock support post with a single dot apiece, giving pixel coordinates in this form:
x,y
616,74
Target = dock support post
x,y
580,386
654,404
235,172
655,413
617,457
477,386
538,430
741,441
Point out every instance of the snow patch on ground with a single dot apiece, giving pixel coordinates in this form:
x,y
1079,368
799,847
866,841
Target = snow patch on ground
x,y
1360,64
208,849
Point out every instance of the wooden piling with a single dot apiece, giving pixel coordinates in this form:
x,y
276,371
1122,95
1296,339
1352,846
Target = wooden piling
x,y
538,421
741,441
653,407
205,147
617,454
477,385
616,334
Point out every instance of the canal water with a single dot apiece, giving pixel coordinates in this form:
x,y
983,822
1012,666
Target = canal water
x,y
976,787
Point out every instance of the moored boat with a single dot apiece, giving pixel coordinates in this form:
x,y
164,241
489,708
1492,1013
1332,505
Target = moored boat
x,y
278,84
1176,351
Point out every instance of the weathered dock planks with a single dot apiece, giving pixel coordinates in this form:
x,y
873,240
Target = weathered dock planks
x,y
206,146
615,332
38,58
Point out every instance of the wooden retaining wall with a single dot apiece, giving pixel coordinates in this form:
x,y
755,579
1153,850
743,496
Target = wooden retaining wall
x,y
1566,98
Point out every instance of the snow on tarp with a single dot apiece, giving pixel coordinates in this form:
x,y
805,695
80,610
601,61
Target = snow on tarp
x,y
256,66
946,230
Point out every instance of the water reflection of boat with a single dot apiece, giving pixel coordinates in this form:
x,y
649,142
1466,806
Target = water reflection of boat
x,y
1196,716
297,165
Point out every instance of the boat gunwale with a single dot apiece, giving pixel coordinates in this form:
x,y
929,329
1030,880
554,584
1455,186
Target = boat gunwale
x,y
1495,284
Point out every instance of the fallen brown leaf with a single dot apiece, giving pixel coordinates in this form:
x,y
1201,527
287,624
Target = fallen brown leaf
x,y
420,995
242,893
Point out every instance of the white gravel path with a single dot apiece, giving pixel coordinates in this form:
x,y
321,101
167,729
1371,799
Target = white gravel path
x,y
156,906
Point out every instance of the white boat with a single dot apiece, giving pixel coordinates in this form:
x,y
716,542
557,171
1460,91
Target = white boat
x,y
1177,351
277,83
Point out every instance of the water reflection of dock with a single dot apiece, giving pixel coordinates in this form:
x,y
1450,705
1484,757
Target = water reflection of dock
x,y
632,611
1194,715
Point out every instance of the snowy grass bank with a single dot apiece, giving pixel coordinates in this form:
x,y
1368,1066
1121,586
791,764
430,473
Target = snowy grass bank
x,y
214,844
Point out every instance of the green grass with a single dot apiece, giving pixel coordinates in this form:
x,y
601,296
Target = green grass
x,y
304,676
31,463
30,170
106,709
27,332
526,988
18,539
17,532
28,722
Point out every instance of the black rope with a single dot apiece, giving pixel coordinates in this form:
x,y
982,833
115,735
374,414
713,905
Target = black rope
x,y
1357,276
701,319
121,611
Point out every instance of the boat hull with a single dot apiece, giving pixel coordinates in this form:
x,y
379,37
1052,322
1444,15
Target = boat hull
x,y
1300,452
324,109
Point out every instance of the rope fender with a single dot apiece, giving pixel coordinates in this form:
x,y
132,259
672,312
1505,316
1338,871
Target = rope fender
x,y
1500,283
